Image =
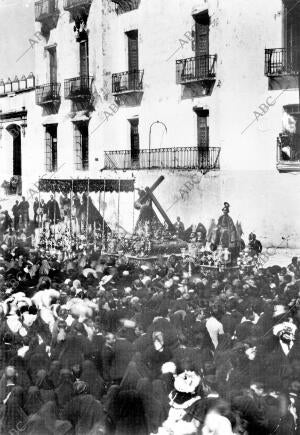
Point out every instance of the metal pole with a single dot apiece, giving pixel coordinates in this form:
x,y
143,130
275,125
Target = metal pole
x,y
103,224
133,210
39,215
87,211
54,215
119,207
71,191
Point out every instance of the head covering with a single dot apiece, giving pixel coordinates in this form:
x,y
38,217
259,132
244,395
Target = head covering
x,y
80,387
34,400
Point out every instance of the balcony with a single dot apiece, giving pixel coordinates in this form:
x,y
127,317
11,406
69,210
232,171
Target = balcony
x,y
123,6
288,152
47,94
78,88
46,11
69,5
187,158
196,69
280,62
127,82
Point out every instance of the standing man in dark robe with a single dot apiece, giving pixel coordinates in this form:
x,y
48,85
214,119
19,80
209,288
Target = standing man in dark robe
x,y
24,211
53,211
35,207
226,229
16,213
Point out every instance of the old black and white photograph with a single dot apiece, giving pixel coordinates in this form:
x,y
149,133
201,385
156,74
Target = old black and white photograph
x,y
150,217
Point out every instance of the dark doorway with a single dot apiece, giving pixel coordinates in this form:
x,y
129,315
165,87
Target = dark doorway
x,y
134,140
201,43
133,59
202,137
15,132
17,156
52,64
84,58
51,147
292,36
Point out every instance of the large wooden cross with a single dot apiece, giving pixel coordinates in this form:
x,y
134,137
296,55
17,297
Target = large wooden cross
x,y
149,195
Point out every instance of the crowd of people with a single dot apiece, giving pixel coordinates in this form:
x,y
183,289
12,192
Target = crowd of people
x,y
94,344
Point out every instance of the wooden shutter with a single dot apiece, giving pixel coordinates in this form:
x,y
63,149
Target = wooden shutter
x,y
81,146
84,58
202,129
51,148
85,146
77,148
133,50
54,147
292,37
202,34
48,150
53,65
134,139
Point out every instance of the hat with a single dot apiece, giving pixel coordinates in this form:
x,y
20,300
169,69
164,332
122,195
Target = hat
x,y
284,327
105,279
80,387
279,310
130,324
226,207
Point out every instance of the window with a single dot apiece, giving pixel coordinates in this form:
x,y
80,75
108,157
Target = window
x,y
201,43
52,65
51,147
292,33
133,58
134,140
202,128
81,146
84,58
201,33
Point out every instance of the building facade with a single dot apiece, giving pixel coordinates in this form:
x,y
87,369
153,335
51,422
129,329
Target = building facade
x,y
204,92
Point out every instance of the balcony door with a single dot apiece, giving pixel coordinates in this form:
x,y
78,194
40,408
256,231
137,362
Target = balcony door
x,y
15,133
201,44
133,59
292,37
52,65
51,148
202,137
134,141
84,58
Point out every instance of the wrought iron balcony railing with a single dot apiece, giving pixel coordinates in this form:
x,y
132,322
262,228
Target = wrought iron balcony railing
x,y
280,61
73,4
196,69
164,158
45,9
128,81
288,152
78,87
123,6
49,93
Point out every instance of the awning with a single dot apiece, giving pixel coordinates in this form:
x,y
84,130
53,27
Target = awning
x,y
80,186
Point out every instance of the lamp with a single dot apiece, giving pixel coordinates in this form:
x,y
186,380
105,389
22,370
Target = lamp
x,y
23,82
150,130
30,81
15,84
7,86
